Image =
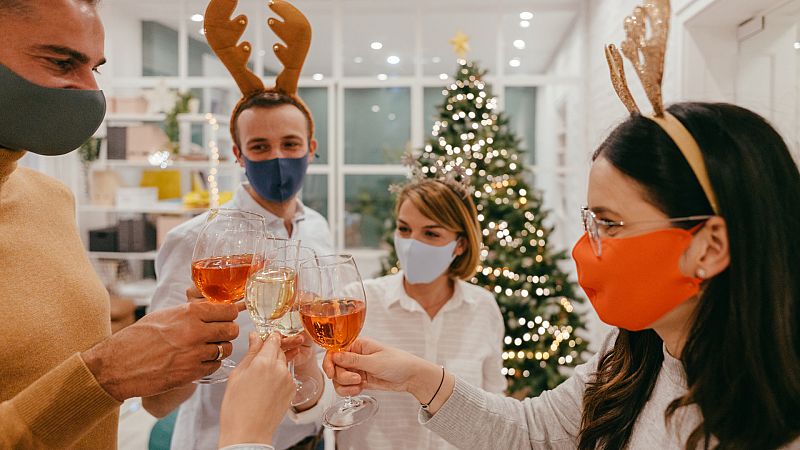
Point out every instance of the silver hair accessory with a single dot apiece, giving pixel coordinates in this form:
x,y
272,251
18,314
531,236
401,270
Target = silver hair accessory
x,y
454,176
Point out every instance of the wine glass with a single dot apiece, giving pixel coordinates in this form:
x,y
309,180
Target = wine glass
x,y
333,308
223,255
271,299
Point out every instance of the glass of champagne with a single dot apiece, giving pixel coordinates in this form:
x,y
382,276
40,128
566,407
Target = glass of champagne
x,y
223,255
271,299
333,308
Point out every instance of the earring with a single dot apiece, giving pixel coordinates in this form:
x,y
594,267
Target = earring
x,y
701,273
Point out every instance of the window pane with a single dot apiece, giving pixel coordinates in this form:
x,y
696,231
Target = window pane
x,y
377,125
521,112
432,98
369,209
315,193
159,50
317,101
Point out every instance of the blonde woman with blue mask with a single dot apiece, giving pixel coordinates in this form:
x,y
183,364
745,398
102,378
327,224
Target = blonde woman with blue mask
x,y
430,310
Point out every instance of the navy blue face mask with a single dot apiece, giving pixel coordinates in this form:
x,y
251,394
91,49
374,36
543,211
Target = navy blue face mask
x,y
276,180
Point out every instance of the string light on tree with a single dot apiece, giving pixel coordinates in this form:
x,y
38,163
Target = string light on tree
x,y
472,138
213,147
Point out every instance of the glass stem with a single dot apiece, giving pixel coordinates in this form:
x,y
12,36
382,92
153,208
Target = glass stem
x,y
350,402
297,382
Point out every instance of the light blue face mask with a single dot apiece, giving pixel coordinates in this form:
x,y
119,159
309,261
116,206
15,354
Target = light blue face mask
x,y
423,263
47,121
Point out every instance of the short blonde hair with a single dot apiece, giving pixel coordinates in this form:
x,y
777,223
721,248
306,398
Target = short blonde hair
x,y
455,212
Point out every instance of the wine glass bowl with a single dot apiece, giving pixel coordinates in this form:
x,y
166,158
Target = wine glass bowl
x,y
333,308
223,257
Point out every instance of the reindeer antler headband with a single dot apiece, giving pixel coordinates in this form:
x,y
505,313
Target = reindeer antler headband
x,y
646,53
223,34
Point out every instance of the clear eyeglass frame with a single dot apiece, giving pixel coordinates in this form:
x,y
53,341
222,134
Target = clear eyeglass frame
x,y
592,224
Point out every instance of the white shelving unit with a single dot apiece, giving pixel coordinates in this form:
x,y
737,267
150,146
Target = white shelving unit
x,y
94,216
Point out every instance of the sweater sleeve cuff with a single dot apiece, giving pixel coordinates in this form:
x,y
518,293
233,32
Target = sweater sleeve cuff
x,y
457,416
68,399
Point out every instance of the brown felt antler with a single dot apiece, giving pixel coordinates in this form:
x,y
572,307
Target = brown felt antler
x,y
223,34
295,31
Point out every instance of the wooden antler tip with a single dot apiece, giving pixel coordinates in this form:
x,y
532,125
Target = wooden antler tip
x,y
243,21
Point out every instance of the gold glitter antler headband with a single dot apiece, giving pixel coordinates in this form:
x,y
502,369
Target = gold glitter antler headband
x,y
223,34
647,53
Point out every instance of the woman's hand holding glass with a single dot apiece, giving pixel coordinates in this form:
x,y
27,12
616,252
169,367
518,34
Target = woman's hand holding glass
x,y
371,365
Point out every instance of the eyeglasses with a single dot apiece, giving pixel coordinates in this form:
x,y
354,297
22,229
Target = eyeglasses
x,y
592,224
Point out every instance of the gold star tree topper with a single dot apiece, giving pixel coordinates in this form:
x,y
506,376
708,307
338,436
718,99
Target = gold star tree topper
x,y
460,43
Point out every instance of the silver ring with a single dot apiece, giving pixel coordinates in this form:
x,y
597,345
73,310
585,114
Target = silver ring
x,y
219,353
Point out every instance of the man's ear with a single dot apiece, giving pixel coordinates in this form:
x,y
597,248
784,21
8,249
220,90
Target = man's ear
x,y
312,149
238,155
709,254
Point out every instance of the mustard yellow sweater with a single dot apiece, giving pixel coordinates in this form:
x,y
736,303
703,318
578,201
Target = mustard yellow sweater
x,y
52,307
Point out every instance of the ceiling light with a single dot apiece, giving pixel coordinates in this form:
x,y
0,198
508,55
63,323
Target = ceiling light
x,y
383,77
515,62
519,44
358,60
797,45
197,17
392,116
442,76
524,24
526,15
317,76
436,60
393,59
376,45
376,108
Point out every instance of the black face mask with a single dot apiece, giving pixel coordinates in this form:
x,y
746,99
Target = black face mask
x,y
47,121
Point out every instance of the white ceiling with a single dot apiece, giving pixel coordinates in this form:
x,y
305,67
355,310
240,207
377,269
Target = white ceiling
x,y
493,26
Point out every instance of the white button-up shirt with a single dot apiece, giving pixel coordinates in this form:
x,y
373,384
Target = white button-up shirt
x,y
465,336
197,426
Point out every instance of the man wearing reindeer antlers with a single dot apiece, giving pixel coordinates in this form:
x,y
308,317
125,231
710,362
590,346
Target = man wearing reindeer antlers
x,y
273,135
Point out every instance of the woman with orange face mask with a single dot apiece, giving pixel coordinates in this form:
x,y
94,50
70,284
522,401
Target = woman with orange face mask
x,y
699,273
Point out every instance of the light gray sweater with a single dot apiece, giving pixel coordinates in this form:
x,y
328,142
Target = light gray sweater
x,y
474,419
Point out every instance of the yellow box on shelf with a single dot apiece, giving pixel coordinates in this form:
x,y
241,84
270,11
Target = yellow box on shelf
x,y
168,182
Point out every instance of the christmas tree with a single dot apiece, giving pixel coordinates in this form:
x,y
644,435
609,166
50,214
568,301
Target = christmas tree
x,y
472,139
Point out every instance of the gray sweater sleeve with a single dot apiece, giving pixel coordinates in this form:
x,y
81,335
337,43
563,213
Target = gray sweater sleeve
x,y
475,419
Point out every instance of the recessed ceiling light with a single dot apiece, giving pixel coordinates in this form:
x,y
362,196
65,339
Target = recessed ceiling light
x,y
443,76
524,24
358,60
526,15
376,108
376,45
392,116
317,76
197,17
515,62
383,77
393,59
436,60
519,44
797,45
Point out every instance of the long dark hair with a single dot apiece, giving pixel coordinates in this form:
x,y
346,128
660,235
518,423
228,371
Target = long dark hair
x,y
742,355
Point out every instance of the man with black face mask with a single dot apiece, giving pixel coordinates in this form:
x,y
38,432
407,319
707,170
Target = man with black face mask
x,y
63,375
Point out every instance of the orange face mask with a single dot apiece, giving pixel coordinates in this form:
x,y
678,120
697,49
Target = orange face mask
x,y
637,280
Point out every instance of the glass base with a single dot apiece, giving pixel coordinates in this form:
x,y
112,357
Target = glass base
x,y
349,412
305,390
220,375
